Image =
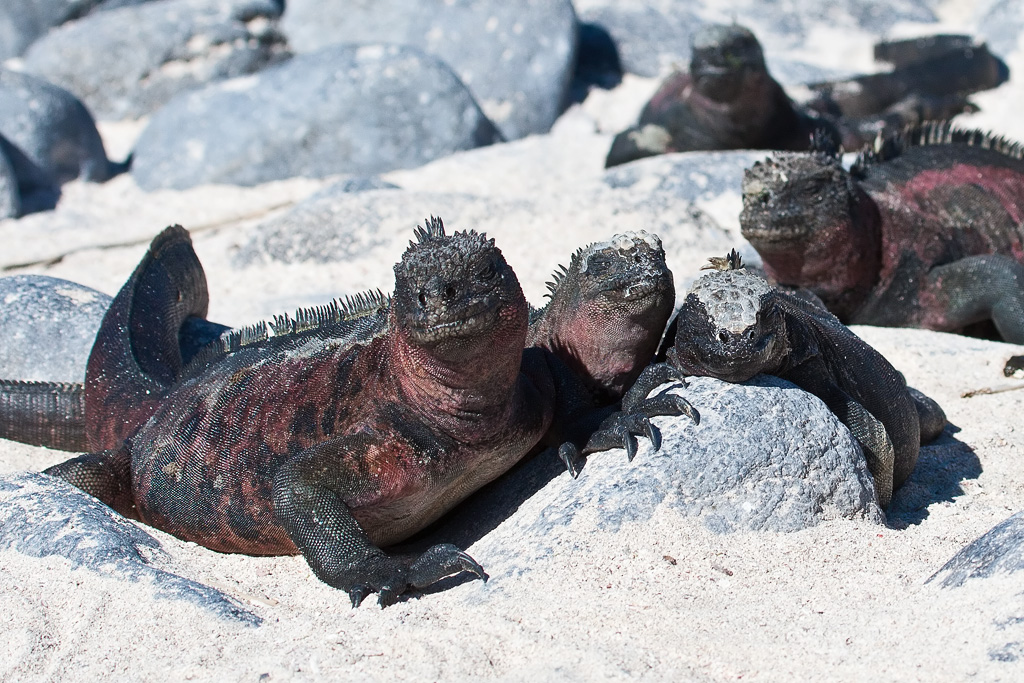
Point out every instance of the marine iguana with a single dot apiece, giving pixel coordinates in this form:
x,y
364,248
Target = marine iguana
x,y
353,426
727,100
733,325
931,80
925,230
605,318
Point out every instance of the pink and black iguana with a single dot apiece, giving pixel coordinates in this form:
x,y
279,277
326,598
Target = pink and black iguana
x,y
351,427
925,230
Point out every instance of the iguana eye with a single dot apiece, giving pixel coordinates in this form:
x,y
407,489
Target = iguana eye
x,y
423,299
488,271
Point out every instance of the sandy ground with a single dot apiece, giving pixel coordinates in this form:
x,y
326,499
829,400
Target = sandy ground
x,y
665,600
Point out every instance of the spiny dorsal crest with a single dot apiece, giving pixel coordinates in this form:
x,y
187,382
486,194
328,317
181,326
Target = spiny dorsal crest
x,y
337,311
824,142
433,230
932,133
730,261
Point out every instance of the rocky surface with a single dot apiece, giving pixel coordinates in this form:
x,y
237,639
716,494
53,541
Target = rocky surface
x,y
49,139
744,549
342,109
127,62
47,327
516,56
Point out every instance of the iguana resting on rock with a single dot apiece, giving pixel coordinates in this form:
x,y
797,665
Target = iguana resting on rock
x,y
727,100
352,427
925,230
733,325
931,79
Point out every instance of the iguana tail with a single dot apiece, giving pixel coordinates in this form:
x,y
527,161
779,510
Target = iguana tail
x,y
50,414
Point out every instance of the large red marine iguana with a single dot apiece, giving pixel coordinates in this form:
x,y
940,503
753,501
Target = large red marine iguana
x,y
350,428
733,325
925,230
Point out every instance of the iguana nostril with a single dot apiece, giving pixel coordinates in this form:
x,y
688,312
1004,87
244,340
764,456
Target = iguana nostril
x,y
723,336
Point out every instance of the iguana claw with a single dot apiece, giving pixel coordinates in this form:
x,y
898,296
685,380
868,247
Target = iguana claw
x,y
1014,366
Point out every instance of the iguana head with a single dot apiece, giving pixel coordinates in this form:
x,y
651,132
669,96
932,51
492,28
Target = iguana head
x,y
455,294
608,310
812,226
728,326
723,54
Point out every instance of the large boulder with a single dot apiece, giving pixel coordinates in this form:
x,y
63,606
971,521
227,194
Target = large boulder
x,y
998,551
42,516
52,138
343,109
47,327
127,62
516,57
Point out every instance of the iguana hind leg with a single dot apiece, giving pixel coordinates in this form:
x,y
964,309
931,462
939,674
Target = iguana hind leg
x,y
105,475
310,494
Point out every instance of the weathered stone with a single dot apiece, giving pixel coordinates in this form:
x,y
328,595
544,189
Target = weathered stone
x,y
22,21
47,327
53,136
516,57
999,551
42,516
1002,26
129,61
766,456
344,109
10,199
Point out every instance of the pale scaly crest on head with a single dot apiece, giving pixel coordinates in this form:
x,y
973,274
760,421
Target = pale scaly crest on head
x,y
625,241
731,296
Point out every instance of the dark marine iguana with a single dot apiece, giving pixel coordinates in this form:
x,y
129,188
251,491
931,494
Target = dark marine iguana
x,y
733,325
352,427
604,320
727,100
925,230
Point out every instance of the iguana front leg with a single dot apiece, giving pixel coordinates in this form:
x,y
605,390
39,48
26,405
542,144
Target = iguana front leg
x,y
986,287
813,376
619,429
105,475
312,494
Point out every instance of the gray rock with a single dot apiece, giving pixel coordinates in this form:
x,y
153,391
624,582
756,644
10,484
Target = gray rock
x,y
343,109
10,198
766,456
998,551
690,175
22,21
47,327
129,61
1002,26
52,138
516,57
42,516
652,35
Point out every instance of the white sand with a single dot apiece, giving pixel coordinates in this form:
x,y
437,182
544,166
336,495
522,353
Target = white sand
x,y
665,600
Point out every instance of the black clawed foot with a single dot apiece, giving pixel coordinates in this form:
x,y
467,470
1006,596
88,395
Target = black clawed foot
x,y
620,430
440,561
652,377
668,405
1014,367
570,455
358,593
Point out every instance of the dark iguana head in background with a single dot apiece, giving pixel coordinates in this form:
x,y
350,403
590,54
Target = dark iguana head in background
x,y
455,294
729,326
723,54
812,225
608,310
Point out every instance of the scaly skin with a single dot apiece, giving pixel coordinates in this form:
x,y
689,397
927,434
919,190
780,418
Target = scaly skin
x,y
734,325
352,427
606,315
925,231
727,100
332,440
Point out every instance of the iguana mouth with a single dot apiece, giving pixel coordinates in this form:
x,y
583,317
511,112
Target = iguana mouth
x,y
467,321
777,232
